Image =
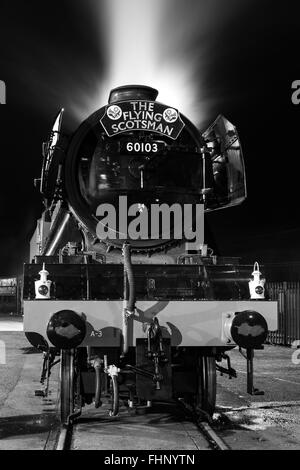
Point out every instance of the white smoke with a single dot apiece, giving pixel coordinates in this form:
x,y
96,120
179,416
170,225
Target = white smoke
x,y
166,44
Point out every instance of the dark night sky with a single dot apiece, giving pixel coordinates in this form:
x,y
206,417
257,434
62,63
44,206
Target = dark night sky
x,y
49,46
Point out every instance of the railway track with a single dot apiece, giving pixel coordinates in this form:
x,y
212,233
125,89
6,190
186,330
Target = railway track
x,y
173,429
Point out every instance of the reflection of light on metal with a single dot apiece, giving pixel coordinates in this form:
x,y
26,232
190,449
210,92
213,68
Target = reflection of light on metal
x,y
56,128
53,245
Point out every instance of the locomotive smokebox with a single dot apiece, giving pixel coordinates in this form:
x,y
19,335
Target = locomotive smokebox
x,y
141,150
132,92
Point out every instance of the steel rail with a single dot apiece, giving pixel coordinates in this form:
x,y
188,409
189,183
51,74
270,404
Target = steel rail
x,y
212,437
64,437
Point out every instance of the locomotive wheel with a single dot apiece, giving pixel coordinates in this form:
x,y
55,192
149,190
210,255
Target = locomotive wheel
x,y
207,385
67,384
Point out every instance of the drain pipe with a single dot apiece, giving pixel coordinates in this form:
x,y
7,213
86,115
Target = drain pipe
x,y
97,366
129,295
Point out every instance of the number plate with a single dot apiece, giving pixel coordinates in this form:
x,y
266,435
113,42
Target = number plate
x,y
145,148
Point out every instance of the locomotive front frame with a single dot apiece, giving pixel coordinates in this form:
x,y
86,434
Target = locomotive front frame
x,y
164,343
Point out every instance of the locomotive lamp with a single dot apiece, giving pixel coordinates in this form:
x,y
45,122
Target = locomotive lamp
x,y
256,284
43,285
66,329
248,329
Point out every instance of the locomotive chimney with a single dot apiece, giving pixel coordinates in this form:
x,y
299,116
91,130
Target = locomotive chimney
x,y
132,92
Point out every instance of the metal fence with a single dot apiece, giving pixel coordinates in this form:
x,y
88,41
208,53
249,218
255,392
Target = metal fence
x,y
288,296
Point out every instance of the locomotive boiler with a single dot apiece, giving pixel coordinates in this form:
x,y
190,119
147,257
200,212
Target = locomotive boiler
x,y
121,287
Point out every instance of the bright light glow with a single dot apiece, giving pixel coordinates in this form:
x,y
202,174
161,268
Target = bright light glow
x,y
138,36
166,44
143,47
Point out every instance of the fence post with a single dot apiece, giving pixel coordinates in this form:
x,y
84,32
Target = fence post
x,y
284,313
2,352
281,313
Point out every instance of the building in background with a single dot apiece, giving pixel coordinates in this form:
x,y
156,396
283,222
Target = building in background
x,y
10,295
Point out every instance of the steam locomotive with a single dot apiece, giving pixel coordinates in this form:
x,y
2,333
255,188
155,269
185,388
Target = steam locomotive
x,y
140,316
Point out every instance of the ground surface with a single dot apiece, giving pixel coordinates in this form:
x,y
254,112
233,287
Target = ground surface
x,y
269,421
164,428
25,419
